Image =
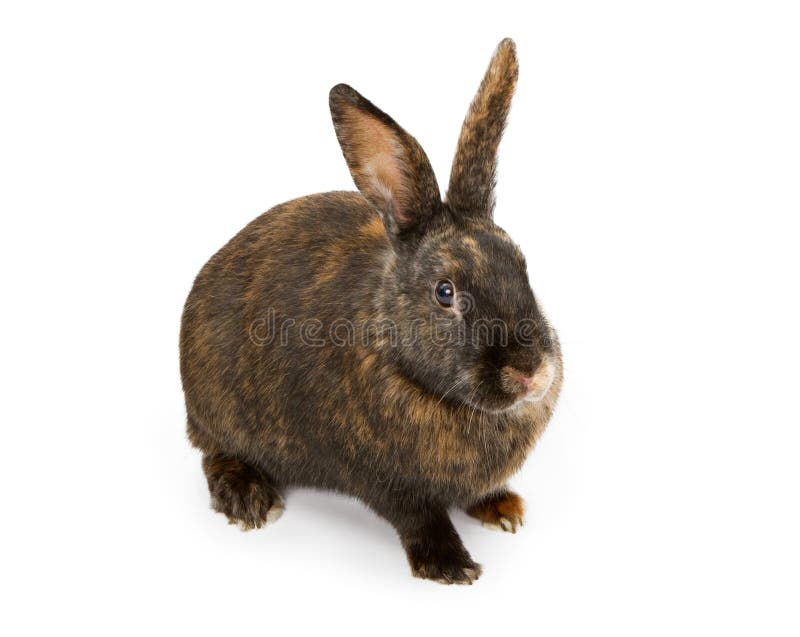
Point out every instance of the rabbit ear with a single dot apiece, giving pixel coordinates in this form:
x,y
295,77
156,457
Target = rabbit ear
x,y
388,165
472,178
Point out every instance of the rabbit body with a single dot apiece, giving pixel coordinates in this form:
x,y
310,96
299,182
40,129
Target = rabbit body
x,y
300,366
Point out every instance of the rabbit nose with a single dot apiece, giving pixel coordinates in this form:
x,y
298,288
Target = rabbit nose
x,y
522,379
533,388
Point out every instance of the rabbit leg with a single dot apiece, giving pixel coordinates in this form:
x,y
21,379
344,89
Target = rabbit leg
x,y
502,510
245,494
432,545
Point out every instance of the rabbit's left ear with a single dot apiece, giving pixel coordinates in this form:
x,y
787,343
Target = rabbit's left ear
x,y
472,178
388,165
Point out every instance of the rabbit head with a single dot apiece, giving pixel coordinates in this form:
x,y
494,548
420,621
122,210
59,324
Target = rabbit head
x,y
455,285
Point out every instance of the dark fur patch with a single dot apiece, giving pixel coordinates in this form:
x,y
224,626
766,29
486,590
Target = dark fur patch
x,y
243,493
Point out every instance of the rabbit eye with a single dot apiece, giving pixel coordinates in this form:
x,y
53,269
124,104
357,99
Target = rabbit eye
x,y
445,293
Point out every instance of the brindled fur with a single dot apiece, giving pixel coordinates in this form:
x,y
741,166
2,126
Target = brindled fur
x,y
411,426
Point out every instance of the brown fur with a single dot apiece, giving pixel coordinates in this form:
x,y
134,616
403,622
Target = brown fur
x,y
388,165
411,426
504,510
243,493
473,175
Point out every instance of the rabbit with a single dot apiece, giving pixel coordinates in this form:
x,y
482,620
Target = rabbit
x,y
384,344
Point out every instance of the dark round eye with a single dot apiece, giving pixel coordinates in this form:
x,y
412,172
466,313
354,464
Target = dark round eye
x,y
445,293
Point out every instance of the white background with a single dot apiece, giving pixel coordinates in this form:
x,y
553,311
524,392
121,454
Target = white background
x,y
650,173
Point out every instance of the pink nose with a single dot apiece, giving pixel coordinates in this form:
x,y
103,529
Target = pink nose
x,y
522,379
535,387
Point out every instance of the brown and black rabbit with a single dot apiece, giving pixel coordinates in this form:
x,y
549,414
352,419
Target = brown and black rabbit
x,y
383,343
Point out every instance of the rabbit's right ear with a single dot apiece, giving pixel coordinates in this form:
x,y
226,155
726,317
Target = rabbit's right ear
x,y
388,165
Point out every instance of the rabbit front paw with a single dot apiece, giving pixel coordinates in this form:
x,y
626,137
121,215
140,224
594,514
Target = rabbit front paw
x,y
441,558
502,511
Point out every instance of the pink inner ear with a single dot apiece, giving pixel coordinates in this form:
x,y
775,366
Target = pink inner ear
x,y
377,159
387,180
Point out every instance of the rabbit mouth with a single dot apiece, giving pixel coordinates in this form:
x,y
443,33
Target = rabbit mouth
x,y
516,388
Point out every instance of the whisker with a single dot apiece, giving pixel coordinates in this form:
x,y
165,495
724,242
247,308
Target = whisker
x,y
459,382
474,407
